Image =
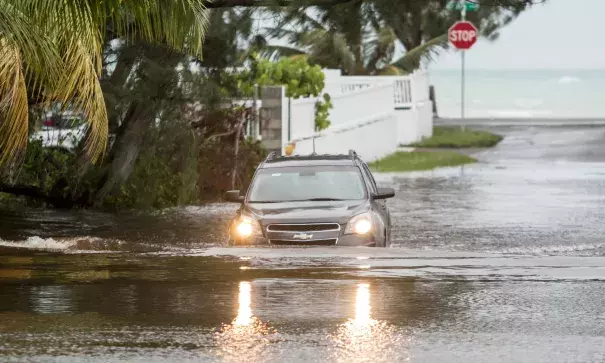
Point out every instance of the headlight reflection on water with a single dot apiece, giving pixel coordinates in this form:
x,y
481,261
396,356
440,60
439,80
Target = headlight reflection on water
x,y
359,339
247,337
362,306
244,310
364,339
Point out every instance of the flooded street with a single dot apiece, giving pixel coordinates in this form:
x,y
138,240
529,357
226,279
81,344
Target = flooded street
x,y
501,261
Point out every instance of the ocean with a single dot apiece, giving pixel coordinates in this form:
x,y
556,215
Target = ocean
x,y
521,93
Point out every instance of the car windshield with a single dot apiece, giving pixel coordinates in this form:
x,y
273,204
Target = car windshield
x,y
307,183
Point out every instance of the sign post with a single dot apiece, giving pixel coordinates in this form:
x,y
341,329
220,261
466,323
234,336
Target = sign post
x,y
462,35
462,75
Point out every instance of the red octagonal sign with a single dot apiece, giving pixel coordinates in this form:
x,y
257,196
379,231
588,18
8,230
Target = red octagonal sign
x,y
463,34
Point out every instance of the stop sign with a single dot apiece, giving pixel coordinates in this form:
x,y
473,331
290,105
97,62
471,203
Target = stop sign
x,y
463,34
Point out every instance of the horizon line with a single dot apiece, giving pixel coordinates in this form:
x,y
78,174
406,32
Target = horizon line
x,y
517,69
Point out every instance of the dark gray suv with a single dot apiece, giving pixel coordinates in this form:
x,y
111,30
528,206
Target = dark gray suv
x,y
312,200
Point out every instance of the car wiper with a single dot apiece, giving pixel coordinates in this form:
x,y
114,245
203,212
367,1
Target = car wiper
x,y
320,200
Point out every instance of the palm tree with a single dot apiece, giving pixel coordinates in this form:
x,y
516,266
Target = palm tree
x,y
350,37
51,51
359,37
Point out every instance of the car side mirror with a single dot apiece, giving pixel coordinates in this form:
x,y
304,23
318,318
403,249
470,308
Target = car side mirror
x,y
233,196
384,193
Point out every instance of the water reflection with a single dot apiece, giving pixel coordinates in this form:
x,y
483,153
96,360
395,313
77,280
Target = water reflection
x,y
247,337
244,311
364,339
52,299
362,307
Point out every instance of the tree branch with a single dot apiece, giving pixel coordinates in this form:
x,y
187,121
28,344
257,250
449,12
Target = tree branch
x,y
262,3
220,135
35,193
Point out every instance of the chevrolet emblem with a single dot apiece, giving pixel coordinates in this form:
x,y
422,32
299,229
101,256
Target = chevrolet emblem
x,y
302,236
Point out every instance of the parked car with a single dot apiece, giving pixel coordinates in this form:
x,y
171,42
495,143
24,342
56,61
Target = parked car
x,y
62,131
312,200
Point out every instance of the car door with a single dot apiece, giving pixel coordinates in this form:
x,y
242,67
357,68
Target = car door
x,y
380,204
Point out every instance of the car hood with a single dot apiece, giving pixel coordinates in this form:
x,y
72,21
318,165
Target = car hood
x,y
307,212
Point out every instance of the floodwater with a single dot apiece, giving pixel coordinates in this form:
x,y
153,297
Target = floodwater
x,y
502,261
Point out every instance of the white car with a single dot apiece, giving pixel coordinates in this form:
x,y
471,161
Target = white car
x,y
62,132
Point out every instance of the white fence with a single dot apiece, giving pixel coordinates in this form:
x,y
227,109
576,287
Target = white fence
x,y
361,104
373,115
408,90
372,138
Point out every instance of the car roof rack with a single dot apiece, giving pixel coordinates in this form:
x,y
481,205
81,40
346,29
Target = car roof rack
x,y
274,157
269,157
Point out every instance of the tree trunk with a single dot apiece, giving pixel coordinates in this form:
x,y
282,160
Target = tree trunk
x,y
157,77
127,58
235,154
126,150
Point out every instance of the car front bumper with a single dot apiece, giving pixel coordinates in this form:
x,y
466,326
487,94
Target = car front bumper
x,y
345,240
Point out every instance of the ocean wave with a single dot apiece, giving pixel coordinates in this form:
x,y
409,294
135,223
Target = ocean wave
x,y
568,80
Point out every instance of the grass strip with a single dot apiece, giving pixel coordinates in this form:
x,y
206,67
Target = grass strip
x,y
420,160
454,138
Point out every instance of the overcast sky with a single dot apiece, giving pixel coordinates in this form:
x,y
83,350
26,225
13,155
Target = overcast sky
x,y
566,34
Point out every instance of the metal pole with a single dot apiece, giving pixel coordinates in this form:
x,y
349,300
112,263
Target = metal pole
x,y
462,90
289,118
255,130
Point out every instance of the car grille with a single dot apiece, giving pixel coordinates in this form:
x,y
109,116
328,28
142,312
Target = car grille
x,y
317,242
316,227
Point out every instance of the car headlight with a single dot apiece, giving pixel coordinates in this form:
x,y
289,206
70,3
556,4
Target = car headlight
x,y
360,224
247,227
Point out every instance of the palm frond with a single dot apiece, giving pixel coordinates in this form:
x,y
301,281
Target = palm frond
x,y
181,24
42,59
274,52
380,49
341,48
427,51
13,104
59,44
80,88
277,32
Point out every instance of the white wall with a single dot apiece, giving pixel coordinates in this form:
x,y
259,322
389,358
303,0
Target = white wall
x,y
407,127
364,119
420,87
303,117
372,138
425,119
361,104
415,124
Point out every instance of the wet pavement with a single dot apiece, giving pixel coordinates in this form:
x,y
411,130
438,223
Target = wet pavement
x,y
502,261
